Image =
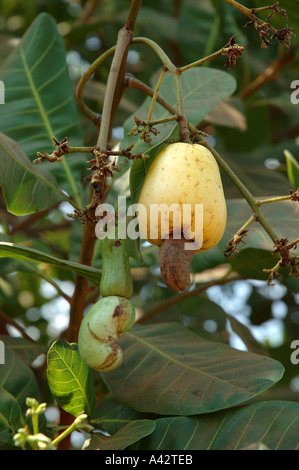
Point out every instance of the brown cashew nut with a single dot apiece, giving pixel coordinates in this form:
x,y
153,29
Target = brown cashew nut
x,y
175,263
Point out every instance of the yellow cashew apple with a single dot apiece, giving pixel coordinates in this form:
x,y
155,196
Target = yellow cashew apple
x,y
181,174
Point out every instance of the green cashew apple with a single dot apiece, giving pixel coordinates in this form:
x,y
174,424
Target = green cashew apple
x,y
182,174
116,276
100,329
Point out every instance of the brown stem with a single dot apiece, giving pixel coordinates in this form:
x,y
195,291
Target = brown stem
x,y
87,12
133,13
132,82
114,92
6,320
248,12
116,78
31,219
81,290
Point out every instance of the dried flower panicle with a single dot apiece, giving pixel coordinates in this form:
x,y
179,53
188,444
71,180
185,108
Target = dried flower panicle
x,y
283,247
275,9
145,129
284,36
294,195
266,31
233,51
62,149
232,244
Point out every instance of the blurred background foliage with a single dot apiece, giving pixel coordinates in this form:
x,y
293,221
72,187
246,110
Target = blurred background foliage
x,y
251,131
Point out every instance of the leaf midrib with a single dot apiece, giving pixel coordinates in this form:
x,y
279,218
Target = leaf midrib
x,y
80,387
48,125
181,364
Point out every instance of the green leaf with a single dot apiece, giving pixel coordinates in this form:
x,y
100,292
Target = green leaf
x,y
292,9
26,350
17,379
244,333
255,134
273,424
40,100
169,370
10,416
198,25
252,170
194,313
292,169
111,416
26,188
70,379
250,263
203,89
278,215
126,436
13,250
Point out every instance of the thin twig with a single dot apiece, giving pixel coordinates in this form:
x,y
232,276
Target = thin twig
x,y
5,319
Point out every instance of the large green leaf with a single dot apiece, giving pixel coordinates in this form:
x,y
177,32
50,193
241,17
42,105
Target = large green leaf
x,y
274,425
26,350
255,134
39,100
169,370
10,416
252,169
204,317
202,88
26,188
17,379
202,30
70,378
250,263
198,27
13,250
111,416
282,216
